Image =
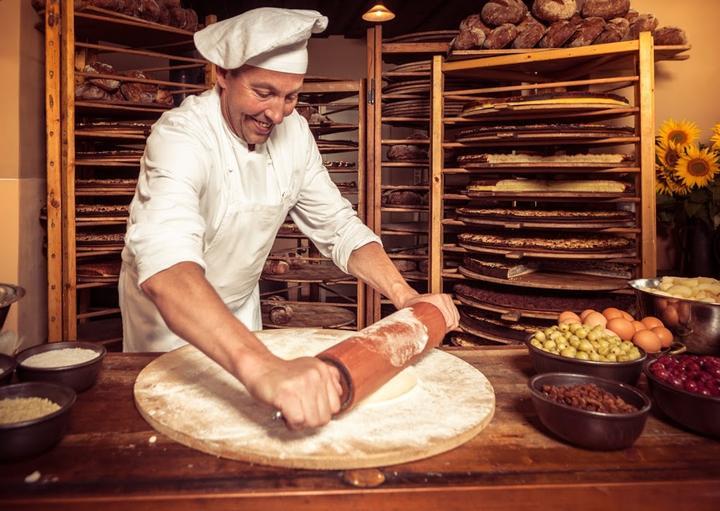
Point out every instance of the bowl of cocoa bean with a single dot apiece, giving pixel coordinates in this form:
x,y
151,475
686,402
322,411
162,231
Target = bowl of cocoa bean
x,y
686,388
589,412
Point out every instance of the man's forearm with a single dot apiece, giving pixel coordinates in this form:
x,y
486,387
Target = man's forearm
x,y
372,265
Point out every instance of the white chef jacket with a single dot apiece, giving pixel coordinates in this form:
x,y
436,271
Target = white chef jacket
x,y
203,197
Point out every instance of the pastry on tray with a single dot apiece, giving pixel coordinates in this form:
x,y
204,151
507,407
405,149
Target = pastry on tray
x,y
508,298
548,186
522,158
499,269
549,242
548,215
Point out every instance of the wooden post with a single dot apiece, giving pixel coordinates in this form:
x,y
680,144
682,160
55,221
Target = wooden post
x,y
646,89
435,241
53,170
362,288
68,171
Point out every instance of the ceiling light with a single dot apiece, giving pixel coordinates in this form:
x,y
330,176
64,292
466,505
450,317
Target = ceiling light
x,y
378,13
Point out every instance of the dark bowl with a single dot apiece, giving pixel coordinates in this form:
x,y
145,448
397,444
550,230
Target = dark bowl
x,y
7,367
78,376
30,437
625,372
590,430
9,294
694,411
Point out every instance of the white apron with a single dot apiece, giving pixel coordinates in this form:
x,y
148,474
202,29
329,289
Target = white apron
x,y
234,258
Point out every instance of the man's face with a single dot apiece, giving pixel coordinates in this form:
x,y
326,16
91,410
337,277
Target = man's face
x,y
254,100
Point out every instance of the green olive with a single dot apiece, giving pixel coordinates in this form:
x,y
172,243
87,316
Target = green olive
x,y
581,355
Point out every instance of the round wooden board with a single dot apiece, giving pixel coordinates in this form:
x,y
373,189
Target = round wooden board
x,y
552,280
189,398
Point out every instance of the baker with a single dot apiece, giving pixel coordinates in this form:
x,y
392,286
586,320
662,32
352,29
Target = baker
x,y
219,175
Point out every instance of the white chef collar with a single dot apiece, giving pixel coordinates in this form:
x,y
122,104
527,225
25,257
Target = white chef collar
x,y
267,37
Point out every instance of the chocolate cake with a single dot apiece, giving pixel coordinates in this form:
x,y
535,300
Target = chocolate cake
x,y
499,269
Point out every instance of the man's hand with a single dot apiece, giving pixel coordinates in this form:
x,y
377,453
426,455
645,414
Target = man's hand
x,y
306,390
443,302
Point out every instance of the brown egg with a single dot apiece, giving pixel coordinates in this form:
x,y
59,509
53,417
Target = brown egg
x,y
594,319
665,335
622,327
612,313
627,316
651,322
584,314
638,326
568,317
647,340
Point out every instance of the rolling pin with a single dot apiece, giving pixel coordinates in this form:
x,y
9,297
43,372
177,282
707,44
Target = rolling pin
x,y
371,357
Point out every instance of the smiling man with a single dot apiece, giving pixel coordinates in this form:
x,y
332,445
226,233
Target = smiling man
x,y
219,175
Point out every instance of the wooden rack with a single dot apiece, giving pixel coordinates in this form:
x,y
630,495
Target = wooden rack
x,y
80,170
603,68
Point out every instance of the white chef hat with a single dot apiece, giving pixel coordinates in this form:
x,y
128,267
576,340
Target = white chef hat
x,y
267,37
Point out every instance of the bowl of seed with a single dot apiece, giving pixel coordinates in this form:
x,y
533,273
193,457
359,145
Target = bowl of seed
x,y
33,417
75,364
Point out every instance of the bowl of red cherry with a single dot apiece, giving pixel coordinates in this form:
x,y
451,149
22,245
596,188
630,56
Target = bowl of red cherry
x,y
687,389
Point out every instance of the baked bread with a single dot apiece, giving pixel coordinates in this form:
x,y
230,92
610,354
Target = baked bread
x,y
499,12
107,84
554,10
150,10
587,31
276,267
553,242
606,9
617,29
558,34
499,158
643,23
500,37
402,198
670,36
402,152
404,265
472,33
281,314
90,92
548,186
529,33
498,269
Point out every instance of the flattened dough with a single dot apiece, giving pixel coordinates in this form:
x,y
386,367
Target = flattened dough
x,y
400,384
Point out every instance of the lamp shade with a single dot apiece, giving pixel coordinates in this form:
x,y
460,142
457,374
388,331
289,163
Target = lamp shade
x,y
378,13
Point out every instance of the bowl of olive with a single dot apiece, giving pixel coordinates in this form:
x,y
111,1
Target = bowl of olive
x,y
594,351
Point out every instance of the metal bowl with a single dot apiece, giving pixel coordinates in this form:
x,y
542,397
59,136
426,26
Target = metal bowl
x,y
588,429
625,372
7,367
77,376
9,294
30,437
694,411
694,323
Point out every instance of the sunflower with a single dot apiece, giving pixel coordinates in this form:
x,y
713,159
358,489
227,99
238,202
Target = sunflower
x,y
661,181
669,156
678,134
697,167
715,139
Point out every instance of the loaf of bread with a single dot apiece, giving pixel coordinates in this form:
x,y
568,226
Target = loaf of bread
x,y
90,92
586,32
402,198
150,10
530,31
501,37
499,12
281,314
558,34
404,265
643,23
606,9
276,267
616,30
403,152
670,36
106,84
554,10
472,33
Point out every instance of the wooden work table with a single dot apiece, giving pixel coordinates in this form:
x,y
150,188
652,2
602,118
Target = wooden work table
x,y
112,459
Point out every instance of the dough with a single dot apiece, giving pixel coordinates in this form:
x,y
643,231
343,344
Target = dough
x,y
399,385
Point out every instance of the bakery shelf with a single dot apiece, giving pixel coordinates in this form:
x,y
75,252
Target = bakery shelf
x,y
552,280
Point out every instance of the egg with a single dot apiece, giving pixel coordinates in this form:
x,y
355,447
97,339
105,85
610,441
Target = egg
x,y
612,313
665,335
627,316
651,322
568,317
647,340
622,328
584,314
594,319
638,326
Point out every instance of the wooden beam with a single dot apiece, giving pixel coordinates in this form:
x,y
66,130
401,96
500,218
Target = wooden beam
x,y
436,176
646,91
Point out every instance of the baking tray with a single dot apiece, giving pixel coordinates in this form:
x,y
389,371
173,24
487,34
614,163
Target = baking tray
x,y
552,280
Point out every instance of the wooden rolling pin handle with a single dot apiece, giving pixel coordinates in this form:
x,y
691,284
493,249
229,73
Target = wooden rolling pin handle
x,y
375,354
